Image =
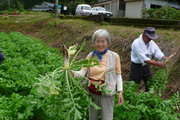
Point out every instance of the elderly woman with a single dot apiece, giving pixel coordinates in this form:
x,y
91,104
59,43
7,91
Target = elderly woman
x,y
108,73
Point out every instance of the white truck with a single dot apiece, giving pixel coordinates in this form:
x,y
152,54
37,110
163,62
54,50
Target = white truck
x,y
83,10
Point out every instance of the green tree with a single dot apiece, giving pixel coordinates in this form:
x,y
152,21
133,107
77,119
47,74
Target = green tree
x,y
28,4
17,5
4,5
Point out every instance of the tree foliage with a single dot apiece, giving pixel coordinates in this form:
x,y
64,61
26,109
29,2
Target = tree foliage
x,y
165,12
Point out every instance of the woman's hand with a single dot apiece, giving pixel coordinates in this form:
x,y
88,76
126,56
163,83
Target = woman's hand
x,y
120,98
72,72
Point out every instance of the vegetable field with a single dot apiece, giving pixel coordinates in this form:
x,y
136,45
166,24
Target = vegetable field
x,y
27,61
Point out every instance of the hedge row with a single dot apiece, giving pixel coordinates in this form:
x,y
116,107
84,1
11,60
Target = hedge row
x,y
145,22
95,18
129,21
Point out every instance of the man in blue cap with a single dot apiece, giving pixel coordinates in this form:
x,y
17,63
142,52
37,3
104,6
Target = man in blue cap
x,y
142,51
1,57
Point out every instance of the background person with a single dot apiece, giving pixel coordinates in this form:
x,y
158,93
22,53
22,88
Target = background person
x,y
1,57
142,51
109,72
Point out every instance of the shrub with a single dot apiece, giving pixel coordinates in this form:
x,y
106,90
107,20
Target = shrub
x,y
165,12
5,16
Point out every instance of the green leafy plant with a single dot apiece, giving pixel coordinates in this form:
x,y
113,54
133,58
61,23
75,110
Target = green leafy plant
x,y
62,85
158,83
145,105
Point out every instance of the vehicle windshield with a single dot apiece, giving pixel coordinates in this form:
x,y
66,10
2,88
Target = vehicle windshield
x,y
102,9
87,8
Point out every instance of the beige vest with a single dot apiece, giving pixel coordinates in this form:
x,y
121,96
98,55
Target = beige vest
x,y
110,76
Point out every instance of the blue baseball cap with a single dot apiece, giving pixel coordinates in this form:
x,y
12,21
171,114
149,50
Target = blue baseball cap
x,y
150,32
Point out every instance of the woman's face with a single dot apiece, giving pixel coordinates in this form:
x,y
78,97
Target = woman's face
x,y
101,44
